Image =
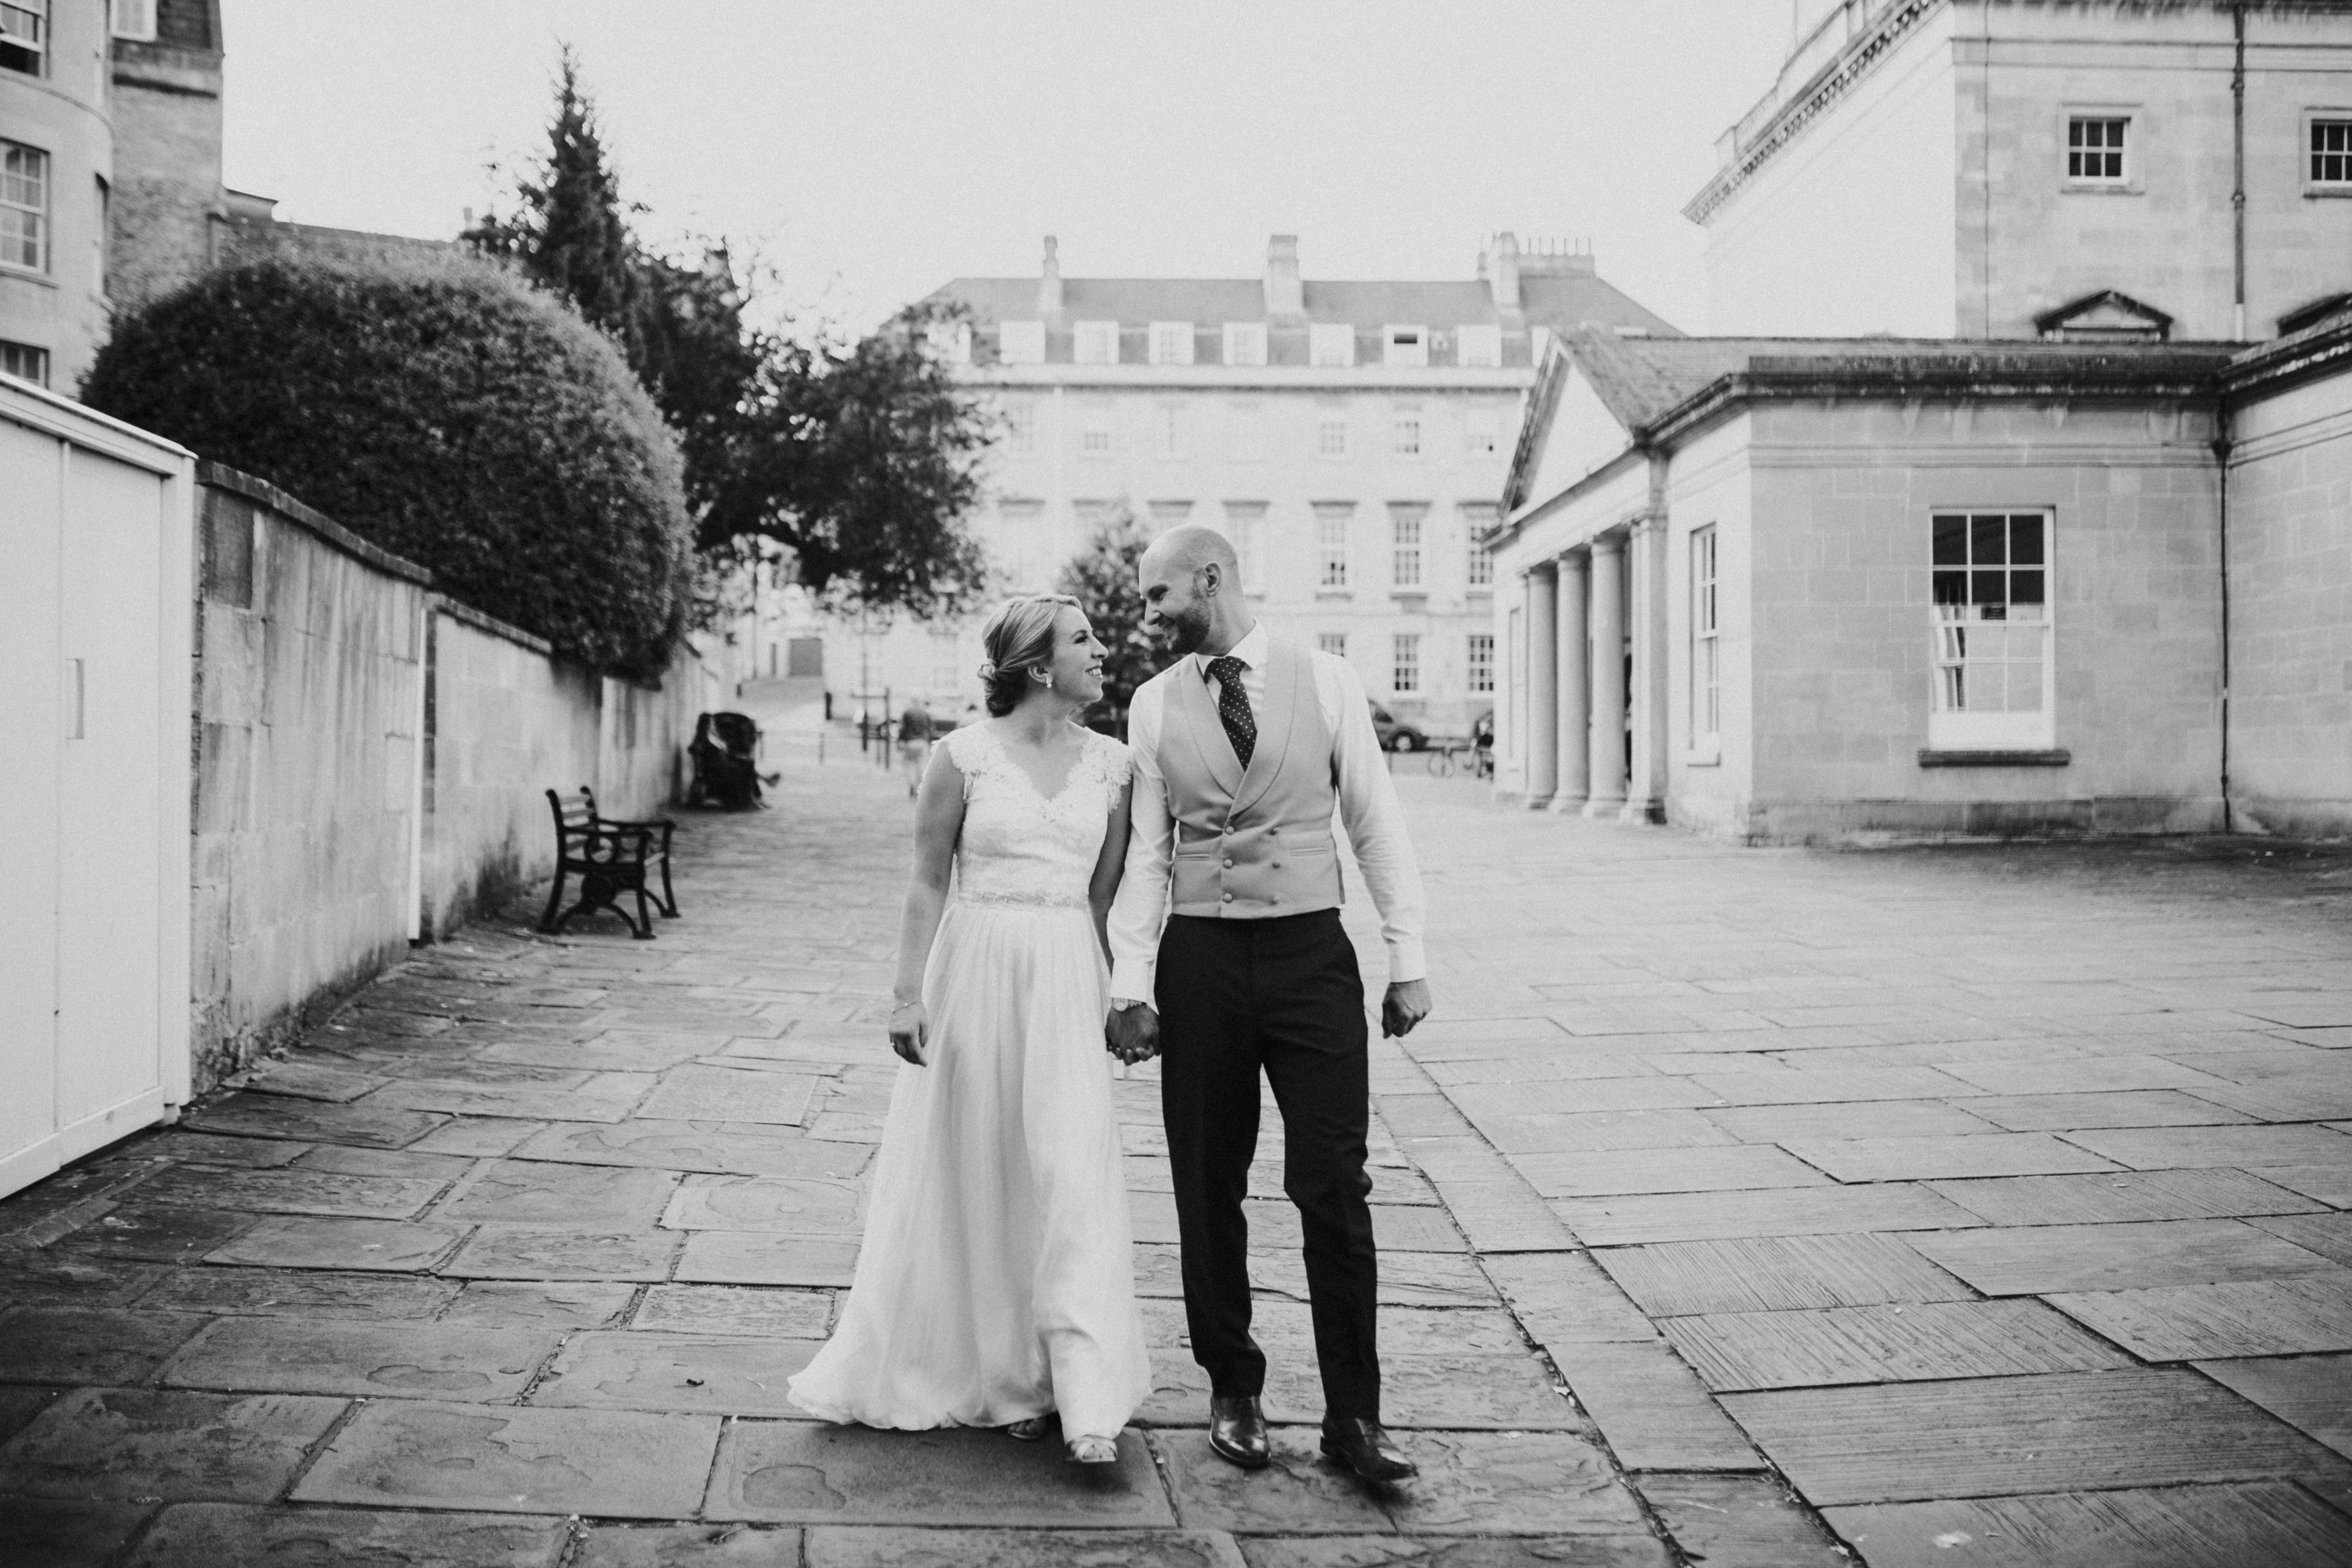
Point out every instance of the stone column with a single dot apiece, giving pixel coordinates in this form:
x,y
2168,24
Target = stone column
x,y
1575,684
1543,697
1645,800
1606,789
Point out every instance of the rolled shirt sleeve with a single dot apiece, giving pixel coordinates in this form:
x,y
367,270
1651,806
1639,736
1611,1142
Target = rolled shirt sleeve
x,y
1374,818
1140,908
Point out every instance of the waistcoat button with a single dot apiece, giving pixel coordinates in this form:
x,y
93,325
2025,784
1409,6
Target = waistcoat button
x,y
1229,863
1229,898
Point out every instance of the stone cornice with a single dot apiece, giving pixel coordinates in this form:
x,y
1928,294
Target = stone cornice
x,y
1854,62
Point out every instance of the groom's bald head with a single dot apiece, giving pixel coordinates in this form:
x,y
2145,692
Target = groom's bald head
x,y
1191,587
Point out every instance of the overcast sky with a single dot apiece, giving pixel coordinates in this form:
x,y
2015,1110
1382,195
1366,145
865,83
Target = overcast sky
x,y
871,149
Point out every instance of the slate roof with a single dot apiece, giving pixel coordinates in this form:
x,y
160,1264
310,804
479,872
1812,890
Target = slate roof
x,y
1559,301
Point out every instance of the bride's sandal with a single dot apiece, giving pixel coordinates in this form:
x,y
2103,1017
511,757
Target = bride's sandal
x,y
1030,1429
1094,1451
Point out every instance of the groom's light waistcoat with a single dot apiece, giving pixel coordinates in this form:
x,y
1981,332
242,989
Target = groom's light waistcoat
x,y
1253,843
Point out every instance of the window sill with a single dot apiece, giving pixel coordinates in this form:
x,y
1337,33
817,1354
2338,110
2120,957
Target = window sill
x,y
26,275
1333,594
1410,598
2058,757
2096,188
1703,757
2326,192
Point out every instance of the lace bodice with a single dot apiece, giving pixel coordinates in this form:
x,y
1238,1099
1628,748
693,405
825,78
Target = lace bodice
x,y
1019,848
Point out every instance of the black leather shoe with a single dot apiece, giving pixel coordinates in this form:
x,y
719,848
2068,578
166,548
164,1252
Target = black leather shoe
x,y
1365,1448
1237,1431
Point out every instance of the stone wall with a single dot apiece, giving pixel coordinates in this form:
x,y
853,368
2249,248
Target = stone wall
x,y
371,763
2291,594
308,703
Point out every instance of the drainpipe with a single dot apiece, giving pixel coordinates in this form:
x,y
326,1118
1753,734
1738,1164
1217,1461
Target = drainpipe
x,y
2222,463
2238,170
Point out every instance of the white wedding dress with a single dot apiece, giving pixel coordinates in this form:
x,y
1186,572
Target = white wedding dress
x,y
995,1280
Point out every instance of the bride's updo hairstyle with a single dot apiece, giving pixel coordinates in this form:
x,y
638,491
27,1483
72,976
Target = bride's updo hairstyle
x,y
1018,639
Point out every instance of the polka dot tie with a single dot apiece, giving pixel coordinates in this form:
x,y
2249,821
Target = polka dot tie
x,y
1233,706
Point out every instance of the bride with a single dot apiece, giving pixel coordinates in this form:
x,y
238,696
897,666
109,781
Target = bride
x,y
995,1286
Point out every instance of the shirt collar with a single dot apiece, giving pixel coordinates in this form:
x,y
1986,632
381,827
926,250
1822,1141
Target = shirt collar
x,y
1250,651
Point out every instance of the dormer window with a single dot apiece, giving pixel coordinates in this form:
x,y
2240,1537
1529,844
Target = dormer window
x,y
1404,345
1171,342
1021,342
1096,343
1245,342
2106,317
1331,344
1481,346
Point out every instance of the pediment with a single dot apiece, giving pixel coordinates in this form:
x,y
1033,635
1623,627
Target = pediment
x,y
2109,316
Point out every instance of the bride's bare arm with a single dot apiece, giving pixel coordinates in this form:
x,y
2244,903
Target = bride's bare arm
x,y
939,819
1108,867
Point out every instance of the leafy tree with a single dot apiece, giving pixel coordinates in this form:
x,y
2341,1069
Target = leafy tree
x,y
862,459
444,411
1101,578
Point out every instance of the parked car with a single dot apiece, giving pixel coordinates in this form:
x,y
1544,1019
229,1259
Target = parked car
x,y
1397,734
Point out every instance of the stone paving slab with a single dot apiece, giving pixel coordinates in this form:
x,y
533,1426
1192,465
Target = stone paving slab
x,y
165,1445
755,1257
1591,1550
58,1278
1299,1493
515,1252
372,1126
795,1472
697,1093
73,1345
157,1233
2161,1148
379,1359
2017,1436
306,1242
18,1405
2116,1255
1846,1119
232,1535
689,1546
780,1205
1564,1299
644,1369
536,1303
1652,1409
2292,1316
1798,1211
1740,1521
736,1309
2081,1075
2120,1108
2233,1526
692,1146
1509,1483
1740,1166
570,1197
1829,1086
60,1533
846,1546
1776,1274
604,1096
2329,1235
2328,1183
615,1464
1919,1159
242,1152
2312,1393
2110,1198
294,1191
1923,1340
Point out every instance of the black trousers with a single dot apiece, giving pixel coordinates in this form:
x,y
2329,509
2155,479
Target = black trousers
x,y
1283,996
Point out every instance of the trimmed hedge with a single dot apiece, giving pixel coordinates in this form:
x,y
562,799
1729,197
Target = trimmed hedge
x,y
440,409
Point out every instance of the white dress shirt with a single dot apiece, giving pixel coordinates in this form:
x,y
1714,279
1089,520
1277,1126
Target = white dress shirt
x,y
1367,806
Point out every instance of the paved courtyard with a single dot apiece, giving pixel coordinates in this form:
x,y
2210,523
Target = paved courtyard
x,y
1973,1206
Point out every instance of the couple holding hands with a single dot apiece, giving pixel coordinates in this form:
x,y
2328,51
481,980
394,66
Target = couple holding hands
x,y
1176,897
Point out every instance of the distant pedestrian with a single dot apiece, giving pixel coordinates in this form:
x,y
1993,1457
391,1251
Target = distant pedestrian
x,y
914,731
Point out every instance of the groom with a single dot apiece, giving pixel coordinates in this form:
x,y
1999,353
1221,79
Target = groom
x,y
1243,748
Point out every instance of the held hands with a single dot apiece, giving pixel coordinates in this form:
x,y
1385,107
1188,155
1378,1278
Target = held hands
x,y
910,1032
1406,1004
1132,1034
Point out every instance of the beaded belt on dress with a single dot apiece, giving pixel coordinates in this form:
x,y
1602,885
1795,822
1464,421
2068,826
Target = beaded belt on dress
x,y
1023,901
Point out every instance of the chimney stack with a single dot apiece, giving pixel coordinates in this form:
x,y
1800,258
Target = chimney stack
x,y
1049,286
1284,294
1502,272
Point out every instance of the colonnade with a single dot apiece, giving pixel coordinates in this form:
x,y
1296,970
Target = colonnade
x,y
1582,690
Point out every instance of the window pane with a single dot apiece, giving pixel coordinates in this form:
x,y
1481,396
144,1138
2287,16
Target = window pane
x,y
2025,541
1951,587
1987,588
1987,545
1951,541
2025,587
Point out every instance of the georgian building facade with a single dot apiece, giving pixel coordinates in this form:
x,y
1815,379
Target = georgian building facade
x,y
1351,439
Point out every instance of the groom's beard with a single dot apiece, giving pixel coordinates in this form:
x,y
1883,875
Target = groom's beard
x,y
1187,630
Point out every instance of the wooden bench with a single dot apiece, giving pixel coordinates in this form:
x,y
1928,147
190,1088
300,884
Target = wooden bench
x,y
610,858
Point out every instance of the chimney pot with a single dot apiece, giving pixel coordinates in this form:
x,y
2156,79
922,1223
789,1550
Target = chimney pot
x,y
1503,271
1286,295
1049,285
